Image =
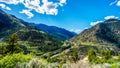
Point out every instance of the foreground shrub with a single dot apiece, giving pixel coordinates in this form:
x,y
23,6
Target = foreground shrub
x,y
34,63
10,61
92,55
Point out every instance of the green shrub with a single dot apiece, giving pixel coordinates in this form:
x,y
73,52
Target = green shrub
x,y
114,66
10,61
92,55
119,57
74,57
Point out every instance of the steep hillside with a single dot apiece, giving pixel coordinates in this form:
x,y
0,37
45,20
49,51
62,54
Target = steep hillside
x,y
60,33
8,25
28,35
39,39
107,32
103,36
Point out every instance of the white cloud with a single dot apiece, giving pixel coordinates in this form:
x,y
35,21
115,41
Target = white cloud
x,y
62,2
8,8
12,1
94,23
110,17
50,8
2,5
118,3
75,30
5,7
113,2
27,12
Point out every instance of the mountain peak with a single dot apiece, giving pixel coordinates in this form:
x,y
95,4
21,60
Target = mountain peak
x,y
107,32
111,20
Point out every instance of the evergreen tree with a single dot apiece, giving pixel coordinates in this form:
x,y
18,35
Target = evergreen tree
x,y
13,46
92,55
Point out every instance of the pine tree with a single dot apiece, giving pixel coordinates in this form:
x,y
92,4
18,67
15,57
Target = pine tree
x,y
13,46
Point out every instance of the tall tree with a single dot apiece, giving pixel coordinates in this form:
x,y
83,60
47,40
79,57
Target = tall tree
x,y
13,46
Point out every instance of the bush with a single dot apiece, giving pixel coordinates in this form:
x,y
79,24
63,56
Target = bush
x,y
34,63
74,55
92,55
114,66
10,61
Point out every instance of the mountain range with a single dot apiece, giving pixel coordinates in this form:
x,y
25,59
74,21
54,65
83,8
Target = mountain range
x,y
10,24
104,35
107,32
59,33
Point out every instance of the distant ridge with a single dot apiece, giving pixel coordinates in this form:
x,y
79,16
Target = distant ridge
x,y
60,33
13,23
107,32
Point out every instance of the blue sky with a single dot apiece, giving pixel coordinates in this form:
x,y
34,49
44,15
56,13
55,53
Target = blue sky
x,y
74,15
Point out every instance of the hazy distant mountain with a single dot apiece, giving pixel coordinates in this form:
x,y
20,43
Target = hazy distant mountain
x,y
13,23
60,33
107,32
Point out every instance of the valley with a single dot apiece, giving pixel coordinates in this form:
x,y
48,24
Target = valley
x,y
30,45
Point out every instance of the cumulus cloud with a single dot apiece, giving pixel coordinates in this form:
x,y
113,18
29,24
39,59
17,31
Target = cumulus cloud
x,y
47,7
50,8
12,1
110,17
118,3
62,2
5,7
8,8
94,23
27,12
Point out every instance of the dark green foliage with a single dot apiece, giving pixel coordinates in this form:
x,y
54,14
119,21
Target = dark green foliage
x,y
36,38
106,57
106,54
74,57
8,25
13,46
92,55
29,35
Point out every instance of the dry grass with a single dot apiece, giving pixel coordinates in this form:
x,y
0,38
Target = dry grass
x,y
36,63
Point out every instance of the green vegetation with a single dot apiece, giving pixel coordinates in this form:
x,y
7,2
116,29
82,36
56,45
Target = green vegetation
x,y
104,57
92,57
11,60
74,55
13,46
39,39
102,34
24,46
